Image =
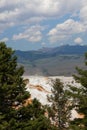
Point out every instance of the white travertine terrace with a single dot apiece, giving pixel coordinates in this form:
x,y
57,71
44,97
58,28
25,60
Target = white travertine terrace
x,y
40,86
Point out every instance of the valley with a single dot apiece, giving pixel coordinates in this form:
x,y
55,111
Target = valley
x,y
52,61
59,65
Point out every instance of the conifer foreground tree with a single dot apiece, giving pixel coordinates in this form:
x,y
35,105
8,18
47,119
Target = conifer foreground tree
x,y
13,114
59,112
79,95
12,88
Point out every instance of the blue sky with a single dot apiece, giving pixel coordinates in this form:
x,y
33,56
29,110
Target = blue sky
x,y
33,24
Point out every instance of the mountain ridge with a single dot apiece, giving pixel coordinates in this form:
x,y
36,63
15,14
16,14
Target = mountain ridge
x,y
52,61
51,52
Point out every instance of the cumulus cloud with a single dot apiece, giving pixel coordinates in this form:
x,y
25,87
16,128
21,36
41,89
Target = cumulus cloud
x,y
43,43
5,39
25,11
83,12
65,30
39,7
32,34
78,40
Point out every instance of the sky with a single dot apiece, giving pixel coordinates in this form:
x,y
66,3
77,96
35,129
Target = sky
x,y
33,24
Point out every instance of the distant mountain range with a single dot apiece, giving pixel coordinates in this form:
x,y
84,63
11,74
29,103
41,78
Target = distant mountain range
x,y
51,52
52,61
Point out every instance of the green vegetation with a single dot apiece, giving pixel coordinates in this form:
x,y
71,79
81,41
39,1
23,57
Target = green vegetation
x,y
79,96
14,115
59,112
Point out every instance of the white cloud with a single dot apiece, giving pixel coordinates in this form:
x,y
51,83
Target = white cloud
x,y
29,12
32,34
43,43
66,30
78,40
5,39
83,15
25,11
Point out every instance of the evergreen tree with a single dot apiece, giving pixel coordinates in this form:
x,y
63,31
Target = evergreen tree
x,y
79,95
12,88
59,111
13,114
